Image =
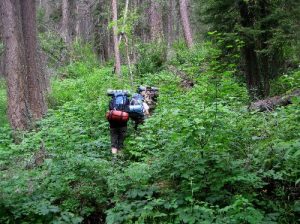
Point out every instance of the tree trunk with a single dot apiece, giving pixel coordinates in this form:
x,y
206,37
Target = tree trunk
x,y
116,41
18,111
170,25
1,53
155,20
24,77
34,73
263,39
66,24
184,14
101,33
84,20
253,78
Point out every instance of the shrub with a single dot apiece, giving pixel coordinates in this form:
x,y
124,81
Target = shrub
x,y
152,58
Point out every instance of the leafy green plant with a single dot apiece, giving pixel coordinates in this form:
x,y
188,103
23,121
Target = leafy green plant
x,y
201,157
3,104
152,58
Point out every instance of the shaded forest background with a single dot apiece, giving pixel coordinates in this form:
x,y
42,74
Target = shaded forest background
x,y
223,145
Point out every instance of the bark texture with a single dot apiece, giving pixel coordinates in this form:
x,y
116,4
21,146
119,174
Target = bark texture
x,y
66,27
170,27
253,79
1,52
155,21
34,76
102,33
18,111
116,40
24,77
184,14
271,103
84,21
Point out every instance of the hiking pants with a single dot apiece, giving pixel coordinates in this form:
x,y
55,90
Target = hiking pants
x,y
117,136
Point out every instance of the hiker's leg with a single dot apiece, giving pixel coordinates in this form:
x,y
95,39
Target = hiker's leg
x,y
136,125
121,137
114,140
114,150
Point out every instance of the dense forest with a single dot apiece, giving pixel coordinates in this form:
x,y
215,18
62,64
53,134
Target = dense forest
x,y
222,144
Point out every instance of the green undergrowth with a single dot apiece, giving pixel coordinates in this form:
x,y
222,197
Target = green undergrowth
x,y
3,119
202,157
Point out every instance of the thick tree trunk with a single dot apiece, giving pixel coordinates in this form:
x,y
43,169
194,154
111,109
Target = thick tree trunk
x,y
15,69
170,26
66,23
264,57
253,80
1,53
116,40
35,77
103,33
84,22
155,21
141,30
184,14
253,77
25,94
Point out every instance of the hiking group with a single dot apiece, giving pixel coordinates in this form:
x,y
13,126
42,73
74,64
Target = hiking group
x,y
121,108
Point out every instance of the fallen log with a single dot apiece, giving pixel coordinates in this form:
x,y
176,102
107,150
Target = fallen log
x,y
271,103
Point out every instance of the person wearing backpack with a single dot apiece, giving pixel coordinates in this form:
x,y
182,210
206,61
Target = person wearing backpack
x,y
118,117
138,109
150,95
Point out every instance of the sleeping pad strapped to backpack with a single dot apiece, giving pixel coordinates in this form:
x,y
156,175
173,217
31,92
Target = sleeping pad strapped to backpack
x,y
136,108
118,107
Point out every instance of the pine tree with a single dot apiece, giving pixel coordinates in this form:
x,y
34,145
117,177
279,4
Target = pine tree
x,y
267,29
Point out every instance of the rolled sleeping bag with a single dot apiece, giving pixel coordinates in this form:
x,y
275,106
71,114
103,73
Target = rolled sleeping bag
x,y
117,116
112,92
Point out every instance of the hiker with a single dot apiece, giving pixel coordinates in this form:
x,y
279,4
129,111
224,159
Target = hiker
x,y
150,95
118,117
138,109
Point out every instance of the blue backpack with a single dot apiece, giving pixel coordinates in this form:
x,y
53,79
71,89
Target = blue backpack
x,y
136,108
120,101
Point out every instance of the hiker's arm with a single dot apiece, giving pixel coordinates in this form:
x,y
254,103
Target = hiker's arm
x,y
146,108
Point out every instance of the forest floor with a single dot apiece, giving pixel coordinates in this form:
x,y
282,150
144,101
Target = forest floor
x,y
201,157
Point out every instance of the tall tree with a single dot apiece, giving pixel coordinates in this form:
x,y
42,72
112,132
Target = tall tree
x,y
102,33
66,27
250,57
14,64
268,31
24,77
114,7
1,50
155,20
34,75
84,21
184,14
170,26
